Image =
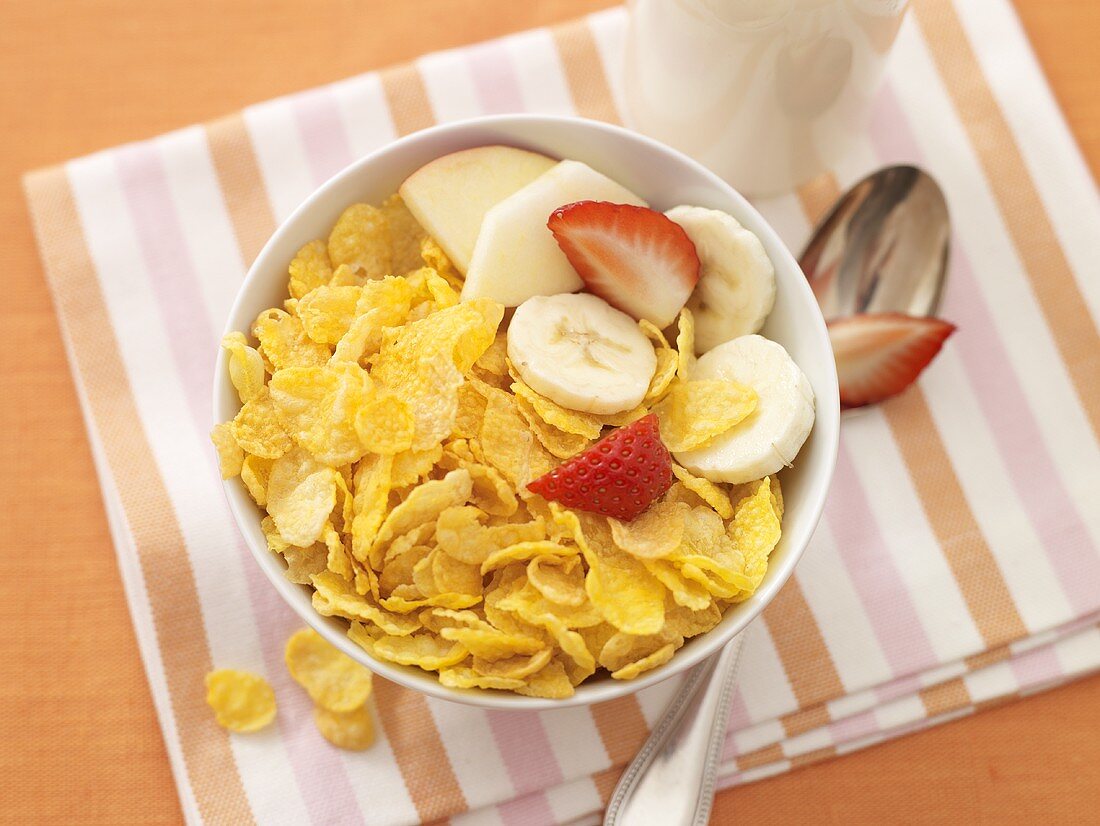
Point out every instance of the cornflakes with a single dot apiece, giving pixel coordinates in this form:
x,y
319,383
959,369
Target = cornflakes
x,y
242,702
332,679
390,442
695,412
349,730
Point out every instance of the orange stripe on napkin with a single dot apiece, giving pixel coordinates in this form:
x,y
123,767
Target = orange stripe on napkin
x,y
760,757
584,72
418,749
623,729
801,648
945,697
1051,278
407,98
241,184
805,719
964,547
165,566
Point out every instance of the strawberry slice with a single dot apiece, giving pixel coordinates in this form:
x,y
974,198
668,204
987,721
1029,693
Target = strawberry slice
x,y
620,475
632,257
880,354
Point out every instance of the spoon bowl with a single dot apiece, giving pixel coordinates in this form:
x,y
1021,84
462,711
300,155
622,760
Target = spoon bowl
x,y
882,248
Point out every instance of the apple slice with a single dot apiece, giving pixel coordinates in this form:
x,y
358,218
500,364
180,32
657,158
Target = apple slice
x,y
516,256
450,195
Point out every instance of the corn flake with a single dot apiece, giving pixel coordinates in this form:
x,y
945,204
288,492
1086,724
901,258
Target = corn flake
x,y
384,423
327,312
257,429
705,490
685,345
695,412
246,366
230,455
349,730
242,701
332,679
361,239
655,533
301,495
284,343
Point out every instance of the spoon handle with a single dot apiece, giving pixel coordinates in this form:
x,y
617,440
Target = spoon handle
x,y
671,780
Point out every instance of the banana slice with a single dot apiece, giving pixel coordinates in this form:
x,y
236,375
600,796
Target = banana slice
x,y
772,435
736,288
581,352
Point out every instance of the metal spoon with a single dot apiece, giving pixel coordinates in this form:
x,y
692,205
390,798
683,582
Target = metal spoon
x,y
882,248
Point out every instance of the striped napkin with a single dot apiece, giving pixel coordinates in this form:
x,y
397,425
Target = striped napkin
x,y
956,565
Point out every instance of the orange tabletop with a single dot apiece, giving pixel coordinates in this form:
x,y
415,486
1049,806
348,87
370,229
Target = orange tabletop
x,y
78,738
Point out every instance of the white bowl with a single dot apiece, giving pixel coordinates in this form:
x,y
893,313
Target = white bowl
x,y
665,178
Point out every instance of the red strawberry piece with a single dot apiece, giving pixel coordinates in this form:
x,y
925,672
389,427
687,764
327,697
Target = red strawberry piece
x,y
880,354
620,475
632,257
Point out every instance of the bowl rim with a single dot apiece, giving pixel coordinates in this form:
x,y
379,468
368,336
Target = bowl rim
x,y
825,427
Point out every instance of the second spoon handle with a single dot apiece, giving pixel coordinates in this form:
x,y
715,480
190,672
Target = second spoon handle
x,y
671,780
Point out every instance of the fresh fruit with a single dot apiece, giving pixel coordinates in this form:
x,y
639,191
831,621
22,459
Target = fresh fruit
x,y
634,258
619,476
516,257
736,287
450,195
772,435
880,354
581,352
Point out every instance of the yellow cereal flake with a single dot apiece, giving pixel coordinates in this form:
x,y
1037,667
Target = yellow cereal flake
x,y
246,366
706,490
318,407
659,657
668,362
407,237
625,593
327,312
695,412
382,303
257,429
284,343
310,269
230,455
384,423
332,679
685,345
361,239
348,730
369,503
300,497
256,475
585,425
756,529
655,533
242,701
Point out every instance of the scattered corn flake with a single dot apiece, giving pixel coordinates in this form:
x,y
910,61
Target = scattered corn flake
x,y
407,237
230,455
410,466
622,649
241,701
246,366
517,667
559,443
257,429
684,591
550,683
348,730
361,239
465,677
558,579
667,364
625,593
655,533
524,552
491,643
256,474
382,303
310,269
658,657
318,407
327,312
300,497
369,502
685,345
705,490
332,679
283,341
695,412
573,422
425,650
424,504
302,564
334,596
756,529
384,423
